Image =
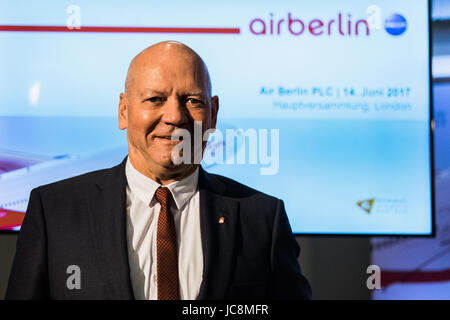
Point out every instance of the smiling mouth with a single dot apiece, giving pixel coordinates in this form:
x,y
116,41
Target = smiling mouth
x,y
177,138
169,139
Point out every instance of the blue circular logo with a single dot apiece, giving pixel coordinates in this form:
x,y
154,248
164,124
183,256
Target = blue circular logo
x,y
395,24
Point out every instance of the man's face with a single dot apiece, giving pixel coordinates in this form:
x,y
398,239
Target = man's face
x,y
166,92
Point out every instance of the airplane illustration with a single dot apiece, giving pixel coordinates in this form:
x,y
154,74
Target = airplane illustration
x,y
18,178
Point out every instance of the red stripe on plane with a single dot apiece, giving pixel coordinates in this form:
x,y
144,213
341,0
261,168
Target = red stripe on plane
x,y
390,277
121,29
10,218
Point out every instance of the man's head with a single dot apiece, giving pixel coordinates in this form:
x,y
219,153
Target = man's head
x,y
167,87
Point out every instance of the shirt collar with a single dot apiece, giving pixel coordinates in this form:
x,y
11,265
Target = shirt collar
x,y
145,187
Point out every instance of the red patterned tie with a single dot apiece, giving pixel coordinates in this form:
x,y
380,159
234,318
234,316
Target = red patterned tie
x,y
166,243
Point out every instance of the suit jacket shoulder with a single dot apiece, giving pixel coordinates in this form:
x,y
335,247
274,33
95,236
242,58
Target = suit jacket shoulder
x,y
74,185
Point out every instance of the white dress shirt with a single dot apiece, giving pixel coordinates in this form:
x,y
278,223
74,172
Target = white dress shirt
x,y
142,221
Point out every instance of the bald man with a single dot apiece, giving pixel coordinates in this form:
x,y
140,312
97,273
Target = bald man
x,y
153,227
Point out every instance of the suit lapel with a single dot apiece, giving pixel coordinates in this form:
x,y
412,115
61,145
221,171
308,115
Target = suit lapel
x,y
218,239
107,206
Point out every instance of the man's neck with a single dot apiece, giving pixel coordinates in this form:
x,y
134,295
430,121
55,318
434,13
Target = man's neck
x,y
163,176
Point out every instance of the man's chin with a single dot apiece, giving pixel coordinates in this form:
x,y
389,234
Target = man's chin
x,y
169,164
167,161
169,170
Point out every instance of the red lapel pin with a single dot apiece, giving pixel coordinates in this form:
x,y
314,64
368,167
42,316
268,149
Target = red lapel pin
x,y
221,220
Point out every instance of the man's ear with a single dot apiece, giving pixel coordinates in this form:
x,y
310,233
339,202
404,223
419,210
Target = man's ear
x,y
214,110
123,112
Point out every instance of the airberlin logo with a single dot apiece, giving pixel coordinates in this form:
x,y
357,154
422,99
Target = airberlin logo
x,y
395,24
339,25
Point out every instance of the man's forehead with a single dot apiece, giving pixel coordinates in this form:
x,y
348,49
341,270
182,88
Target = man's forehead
x,y
160,76
170,68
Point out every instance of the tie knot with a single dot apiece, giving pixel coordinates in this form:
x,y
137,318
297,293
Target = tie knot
x,y
162,195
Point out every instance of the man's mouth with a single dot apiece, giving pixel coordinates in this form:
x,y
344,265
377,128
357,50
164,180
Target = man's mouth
x,y
168,139
176,138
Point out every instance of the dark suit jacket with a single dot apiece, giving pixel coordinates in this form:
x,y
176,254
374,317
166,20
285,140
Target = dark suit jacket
x,y
81,221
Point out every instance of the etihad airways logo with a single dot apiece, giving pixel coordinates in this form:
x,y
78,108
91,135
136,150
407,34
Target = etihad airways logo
x,y
339,25
383,206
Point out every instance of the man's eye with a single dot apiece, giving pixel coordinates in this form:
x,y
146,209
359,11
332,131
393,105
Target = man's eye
x,y
154,99
194,101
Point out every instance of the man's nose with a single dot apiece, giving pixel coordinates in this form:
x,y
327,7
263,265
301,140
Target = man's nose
x,y
175,112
